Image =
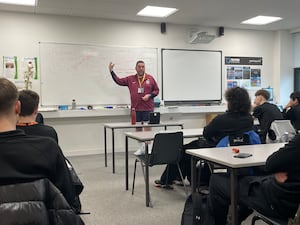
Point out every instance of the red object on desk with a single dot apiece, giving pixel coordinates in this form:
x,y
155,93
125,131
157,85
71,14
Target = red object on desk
x,y
133,116
235,150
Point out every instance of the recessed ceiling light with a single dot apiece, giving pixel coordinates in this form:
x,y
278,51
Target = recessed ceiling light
x,y
19,2
261,20
155,11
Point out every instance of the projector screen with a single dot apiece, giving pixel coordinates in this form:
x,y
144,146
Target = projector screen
x,y
191,75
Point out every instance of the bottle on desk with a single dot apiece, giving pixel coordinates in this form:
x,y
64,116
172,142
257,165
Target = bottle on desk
x,y
73,104
133,116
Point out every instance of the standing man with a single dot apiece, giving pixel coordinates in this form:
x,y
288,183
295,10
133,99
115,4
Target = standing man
x,y
265,112
142,87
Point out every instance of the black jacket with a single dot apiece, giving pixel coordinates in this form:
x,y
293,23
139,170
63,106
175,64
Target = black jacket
x,y
227,124
24,158
266,114
38,202
284,197
293,114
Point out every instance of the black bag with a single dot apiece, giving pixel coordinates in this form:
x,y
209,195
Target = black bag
x,y
196,211
77,184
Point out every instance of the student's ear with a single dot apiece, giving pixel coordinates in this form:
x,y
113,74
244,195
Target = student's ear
x,y
18,107
35,112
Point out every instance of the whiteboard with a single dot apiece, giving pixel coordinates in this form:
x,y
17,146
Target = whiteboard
x,y
191,75
80,72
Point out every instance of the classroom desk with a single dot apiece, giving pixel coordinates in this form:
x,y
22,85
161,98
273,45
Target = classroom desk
x,y
146,136
114,126
224,157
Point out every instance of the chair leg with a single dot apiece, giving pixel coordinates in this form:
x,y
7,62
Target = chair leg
x,y
132,192
143,170
185,188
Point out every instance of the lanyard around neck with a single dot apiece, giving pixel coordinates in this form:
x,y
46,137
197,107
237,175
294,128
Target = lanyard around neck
x,y
140,82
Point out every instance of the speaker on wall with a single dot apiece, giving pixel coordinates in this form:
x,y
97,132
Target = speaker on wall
x,y
163,28
221,31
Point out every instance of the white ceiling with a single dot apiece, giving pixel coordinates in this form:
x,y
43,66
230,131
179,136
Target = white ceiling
x,y
209,13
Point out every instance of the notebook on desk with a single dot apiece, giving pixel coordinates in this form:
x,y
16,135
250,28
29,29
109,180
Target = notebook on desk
x,y
154,118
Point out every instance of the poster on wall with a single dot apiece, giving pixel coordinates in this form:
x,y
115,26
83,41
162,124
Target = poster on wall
x,y
240,73
10,67
29,67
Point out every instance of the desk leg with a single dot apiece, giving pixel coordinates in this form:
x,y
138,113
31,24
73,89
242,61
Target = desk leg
x,y
234,196
147,175
126,163
113,148
193,174
105,147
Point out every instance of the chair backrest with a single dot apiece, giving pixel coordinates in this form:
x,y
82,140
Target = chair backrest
x,y
35,202
246,138
283,129
166,149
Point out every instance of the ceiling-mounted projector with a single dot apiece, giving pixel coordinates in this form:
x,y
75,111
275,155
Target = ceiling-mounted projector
x,y
200,37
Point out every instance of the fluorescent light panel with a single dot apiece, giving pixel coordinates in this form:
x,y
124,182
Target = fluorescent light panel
x,y
19,2
156,11
261,20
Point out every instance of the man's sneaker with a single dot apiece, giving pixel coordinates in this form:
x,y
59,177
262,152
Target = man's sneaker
x,y
140,151
159,184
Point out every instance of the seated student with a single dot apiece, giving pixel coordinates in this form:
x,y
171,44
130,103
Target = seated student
x,y
27,121
265,112
25,158
27,117
236,119
276,195
292,110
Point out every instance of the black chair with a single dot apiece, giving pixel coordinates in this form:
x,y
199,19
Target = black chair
x,y
283,130
167,149
267,220
35,202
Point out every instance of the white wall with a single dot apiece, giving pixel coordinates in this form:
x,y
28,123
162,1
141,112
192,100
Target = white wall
x,y
20,34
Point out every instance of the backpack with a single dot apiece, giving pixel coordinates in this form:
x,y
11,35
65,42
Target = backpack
x,y
196,211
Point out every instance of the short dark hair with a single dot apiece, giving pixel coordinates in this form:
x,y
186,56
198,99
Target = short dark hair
x,y
8,96
140,61
295,95
263,93
238,100
29,102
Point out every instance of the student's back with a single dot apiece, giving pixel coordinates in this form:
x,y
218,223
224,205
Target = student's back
x,y
24,157
38,130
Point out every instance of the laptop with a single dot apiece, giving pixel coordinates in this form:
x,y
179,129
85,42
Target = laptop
x,y
154,118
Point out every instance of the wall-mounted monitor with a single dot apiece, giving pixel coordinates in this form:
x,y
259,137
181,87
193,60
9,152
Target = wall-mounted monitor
x,y
270,90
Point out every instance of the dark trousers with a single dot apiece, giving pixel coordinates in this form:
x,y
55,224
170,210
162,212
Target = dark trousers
x,y
171,171
250,196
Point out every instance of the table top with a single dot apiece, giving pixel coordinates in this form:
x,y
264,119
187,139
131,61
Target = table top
x,y
224,155
129,125
149,135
